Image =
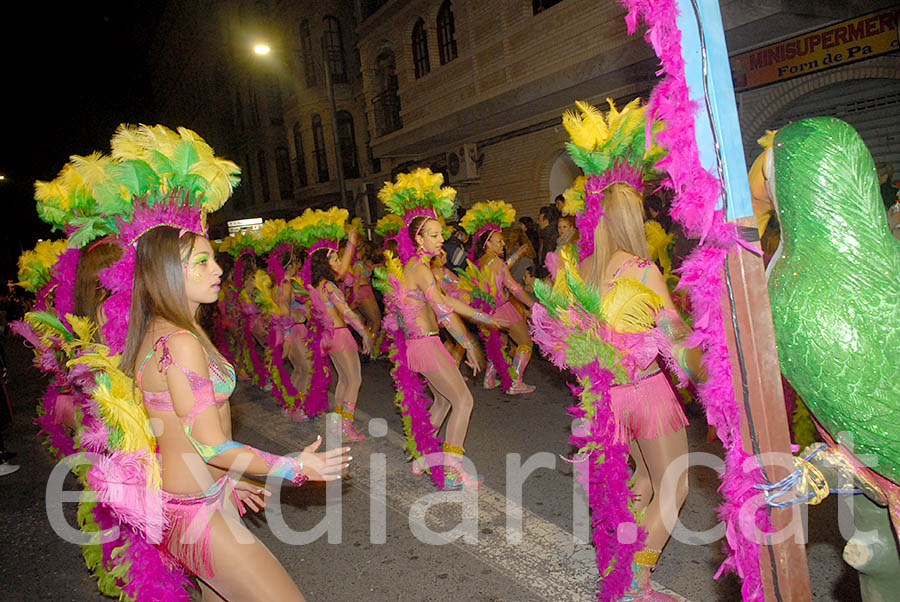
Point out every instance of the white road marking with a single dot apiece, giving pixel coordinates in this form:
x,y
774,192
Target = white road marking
x,y
548,561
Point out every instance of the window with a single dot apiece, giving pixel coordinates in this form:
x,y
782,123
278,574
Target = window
x,y
538,6
347,144
334,50
319,152
420,49
446,30
263,176
387,103
301,160
283,170
309,59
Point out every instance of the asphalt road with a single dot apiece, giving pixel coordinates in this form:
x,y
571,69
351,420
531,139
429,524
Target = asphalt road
x,y
391,535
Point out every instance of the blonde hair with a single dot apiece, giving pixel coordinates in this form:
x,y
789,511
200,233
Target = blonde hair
x,y
621,229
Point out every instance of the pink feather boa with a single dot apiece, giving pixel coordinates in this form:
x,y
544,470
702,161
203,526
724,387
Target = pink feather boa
x,y
150,577
606,483
282,388
421,439
320,327
250,313
694,207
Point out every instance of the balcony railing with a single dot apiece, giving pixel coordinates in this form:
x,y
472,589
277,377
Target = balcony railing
x,y
387,113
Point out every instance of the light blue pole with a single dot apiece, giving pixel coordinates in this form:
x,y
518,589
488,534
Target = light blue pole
x,y
719,102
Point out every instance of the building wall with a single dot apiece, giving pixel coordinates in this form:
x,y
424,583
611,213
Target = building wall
x,y
211,86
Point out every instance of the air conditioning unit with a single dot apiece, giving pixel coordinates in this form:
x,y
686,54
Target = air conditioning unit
x,y
464,164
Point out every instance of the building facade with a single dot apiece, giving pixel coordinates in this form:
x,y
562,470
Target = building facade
x,y
475,89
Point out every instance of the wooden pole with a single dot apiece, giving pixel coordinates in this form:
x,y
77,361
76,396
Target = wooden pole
x,y
748,320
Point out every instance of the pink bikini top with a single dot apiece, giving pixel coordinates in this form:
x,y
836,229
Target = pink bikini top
x,y
207,391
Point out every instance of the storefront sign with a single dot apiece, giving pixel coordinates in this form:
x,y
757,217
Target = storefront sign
x,y
239,225
854,40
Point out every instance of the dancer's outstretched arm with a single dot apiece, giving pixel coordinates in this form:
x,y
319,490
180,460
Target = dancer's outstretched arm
x,y
690,359
515,288
347,257
194,402
339,302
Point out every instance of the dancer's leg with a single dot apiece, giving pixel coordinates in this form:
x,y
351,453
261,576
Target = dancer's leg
x,y
371,313
519,333
301,363
642,486
666,452
245,571
439,409
346,363
449,384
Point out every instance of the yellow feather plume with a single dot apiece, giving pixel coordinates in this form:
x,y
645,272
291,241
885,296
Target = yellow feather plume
x,y
119,401
657,242
580,133
629,306
125,143
91,169
767,139
394,267
592,117
567,269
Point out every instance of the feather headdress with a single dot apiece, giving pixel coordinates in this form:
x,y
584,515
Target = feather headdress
x,y
35,265
419,192
616,147
389,226
152,177
487,216
317,229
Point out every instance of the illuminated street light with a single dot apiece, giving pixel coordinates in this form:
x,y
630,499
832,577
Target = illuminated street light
x,y
262,49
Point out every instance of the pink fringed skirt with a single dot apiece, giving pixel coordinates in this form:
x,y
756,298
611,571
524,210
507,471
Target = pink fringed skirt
x,y
341,340
507,312
646,409
428,354
187,538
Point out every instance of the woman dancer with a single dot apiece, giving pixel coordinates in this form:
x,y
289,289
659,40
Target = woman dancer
x,y
185,384
357,286
485,221
426,355
647,411
618,304
320,231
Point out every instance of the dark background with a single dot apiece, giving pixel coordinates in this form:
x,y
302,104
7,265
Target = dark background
x,y
72,73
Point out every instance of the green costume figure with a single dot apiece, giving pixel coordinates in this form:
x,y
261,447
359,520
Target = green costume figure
x,y
835,289
835,294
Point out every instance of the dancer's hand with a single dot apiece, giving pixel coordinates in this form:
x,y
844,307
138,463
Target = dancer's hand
x,y
473,359
324,466
499,323
367,344
250,495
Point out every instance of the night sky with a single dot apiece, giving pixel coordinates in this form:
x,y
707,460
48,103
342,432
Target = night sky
x,y
72,73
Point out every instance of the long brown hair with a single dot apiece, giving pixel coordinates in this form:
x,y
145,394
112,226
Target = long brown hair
x,y
621,228
158,291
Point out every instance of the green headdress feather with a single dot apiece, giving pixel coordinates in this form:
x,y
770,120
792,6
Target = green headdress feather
x,y
35,265
499,214
417,191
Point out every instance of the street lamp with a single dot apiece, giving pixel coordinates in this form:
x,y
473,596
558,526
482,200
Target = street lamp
x,y
262,49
